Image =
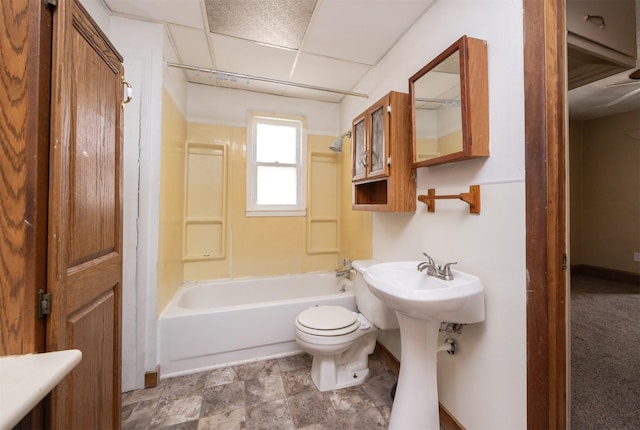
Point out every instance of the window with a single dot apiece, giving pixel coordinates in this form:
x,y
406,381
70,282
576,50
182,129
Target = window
x,y
276,166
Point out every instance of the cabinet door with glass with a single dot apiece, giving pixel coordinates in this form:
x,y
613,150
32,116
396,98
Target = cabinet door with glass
x,y
371,142
360,153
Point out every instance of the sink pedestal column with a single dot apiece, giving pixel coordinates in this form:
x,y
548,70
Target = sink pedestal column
x,y
416,400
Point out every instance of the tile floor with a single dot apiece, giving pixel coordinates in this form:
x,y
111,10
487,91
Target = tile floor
x,y
273,394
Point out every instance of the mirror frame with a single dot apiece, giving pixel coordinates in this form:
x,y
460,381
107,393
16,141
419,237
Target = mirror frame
x,y
474,97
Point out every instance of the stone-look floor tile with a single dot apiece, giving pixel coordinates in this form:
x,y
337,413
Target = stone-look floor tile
x,y
254,396
378,388
385,411
351,399
259,368
189,425
320,427
125,412
312,407
221,376
183,386
270,416
223,398
232,420
264,389
297,381
136,396
295,362
171,411
365,419
139,415
377,366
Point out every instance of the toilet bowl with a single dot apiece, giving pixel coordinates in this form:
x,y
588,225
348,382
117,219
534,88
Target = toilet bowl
x,y
340,340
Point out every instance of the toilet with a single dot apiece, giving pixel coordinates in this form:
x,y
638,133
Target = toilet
x,y
340,340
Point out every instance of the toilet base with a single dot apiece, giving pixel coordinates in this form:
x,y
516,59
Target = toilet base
x,y
326,376
351,367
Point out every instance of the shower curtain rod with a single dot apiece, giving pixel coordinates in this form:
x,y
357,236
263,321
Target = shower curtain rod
x,y
237,76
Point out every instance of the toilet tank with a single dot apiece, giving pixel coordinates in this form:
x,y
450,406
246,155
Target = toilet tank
x,y
369,305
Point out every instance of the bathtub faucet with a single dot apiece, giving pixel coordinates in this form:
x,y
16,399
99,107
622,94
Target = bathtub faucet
x,y
346,271
432,269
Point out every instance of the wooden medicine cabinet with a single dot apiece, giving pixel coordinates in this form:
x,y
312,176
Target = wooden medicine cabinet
x,y
383,178
450,107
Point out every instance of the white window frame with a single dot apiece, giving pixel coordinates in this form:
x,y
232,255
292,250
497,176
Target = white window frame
x,y
253,209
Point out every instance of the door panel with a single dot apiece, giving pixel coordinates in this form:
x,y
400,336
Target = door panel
x,y
85,220
92,187
83,325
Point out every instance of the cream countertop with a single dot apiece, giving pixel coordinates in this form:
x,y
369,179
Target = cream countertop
x,y
26,379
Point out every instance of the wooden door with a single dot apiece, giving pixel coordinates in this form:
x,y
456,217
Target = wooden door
x,y
85,220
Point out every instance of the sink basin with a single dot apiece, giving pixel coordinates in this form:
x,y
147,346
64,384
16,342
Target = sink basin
x,y
422,302
406,290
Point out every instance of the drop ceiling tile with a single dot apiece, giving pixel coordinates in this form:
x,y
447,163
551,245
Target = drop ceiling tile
x,y
192,46
183,12
275,22
251,58
361,31
328,72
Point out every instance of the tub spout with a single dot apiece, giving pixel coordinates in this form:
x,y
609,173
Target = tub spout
x,y
346,271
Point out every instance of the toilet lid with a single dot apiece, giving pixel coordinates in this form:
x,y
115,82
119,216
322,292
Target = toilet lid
x,y
327,321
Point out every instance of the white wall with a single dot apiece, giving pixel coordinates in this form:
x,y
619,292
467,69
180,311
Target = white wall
x,y
214,105
484,385
141,45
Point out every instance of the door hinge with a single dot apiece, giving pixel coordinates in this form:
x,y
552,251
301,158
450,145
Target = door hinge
x,y
44,304
564,261
52,3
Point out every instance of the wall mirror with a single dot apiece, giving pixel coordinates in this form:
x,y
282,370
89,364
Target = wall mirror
x,y
449,105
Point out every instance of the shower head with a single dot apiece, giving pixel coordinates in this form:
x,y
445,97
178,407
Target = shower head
x,y
336,146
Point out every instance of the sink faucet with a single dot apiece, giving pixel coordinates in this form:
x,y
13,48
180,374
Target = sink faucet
x,y
432,269
346,271
429,266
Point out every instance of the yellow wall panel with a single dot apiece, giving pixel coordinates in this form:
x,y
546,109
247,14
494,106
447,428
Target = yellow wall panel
x,y
205,181
170,264
355,226
258,246
203,240
323,236
324,185
450,143
427,148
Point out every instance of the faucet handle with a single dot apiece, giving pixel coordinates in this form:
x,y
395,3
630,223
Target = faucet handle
x,y
429,259
446,271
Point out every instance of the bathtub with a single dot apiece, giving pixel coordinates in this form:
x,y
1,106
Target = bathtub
x,y
225,322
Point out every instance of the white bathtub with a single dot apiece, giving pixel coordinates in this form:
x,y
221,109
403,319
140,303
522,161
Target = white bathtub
x,y
219,323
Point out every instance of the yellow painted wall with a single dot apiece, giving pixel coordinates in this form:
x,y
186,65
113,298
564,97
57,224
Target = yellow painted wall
x,y
605,206
174,129
443,145
278,245
427,148
450,143
356,226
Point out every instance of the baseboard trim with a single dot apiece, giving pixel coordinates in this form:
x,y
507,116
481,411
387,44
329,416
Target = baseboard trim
x,y
151,379
447,420
605,273
389,359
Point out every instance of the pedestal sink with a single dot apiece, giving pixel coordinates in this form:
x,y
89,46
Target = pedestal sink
x,y
422,302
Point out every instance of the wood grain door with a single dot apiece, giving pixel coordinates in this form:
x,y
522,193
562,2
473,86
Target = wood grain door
x,y
85,220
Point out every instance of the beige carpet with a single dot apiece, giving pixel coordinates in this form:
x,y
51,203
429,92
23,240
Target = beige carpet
x,y
605,354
